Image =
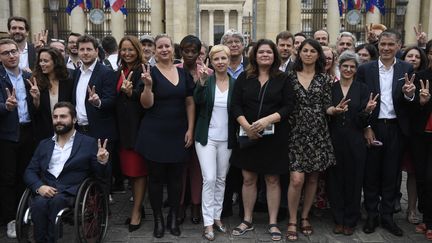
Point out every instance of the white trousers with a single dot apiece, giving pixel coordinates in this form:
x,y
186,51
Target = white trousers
x,y
214,162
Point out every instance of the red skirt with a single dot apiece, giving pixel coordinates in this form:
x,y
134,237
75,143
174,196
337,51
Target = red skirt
x,y
132,164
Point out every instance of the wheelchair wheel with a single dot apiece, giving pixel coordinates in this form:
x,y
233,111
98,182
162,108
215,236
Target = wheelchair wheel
x,y
91,213
23,225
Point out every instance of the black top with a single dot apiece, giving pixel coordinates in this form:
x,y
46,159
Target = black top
x,y
420,113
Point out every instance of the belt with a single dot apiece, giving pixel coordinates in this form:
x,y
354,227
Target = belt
x,y
83,128
25,125
388,121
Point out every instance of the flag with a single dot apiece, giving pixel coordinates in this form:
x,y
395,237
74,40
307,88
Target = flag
x,y
358,4
370,5
73,4
350,5
88,4
107,4
117,4
380,5
341,5
124,10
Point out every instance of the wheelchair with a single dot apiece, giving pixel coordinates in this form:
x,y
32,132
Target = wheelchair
x,y
88,216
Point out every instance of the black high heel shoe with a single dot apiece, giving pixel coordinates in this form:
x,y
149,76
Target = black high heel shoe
x,y
195,214
133,227
172,224
159,226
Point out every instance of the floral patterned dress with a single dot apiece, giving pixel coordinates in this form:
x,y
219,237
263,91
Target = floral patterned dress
x,y
311,149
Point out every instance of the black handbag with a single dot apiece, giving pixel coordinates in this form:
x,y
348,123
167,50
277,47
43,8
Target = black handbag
x,y
245,141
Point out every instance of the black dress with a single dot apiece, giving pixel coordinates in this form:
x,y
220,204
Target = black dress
x,y
163,128
345,179
310,145
269,155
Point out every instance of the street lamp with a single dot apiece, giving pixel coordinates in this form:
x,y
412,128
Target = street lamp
x,y
401,8
54,8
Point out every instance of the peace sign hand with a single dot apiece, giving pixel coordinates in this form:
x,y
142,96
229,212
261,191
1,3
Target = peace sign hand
x,y
11,101
102,153
370,35
93,97
145,75
420,36
127,84
342,106
203,73
424,92
34,89
409,88
40,39
371,103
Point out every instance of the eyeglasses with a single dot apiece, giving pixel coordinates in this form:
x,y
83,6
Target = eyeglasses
x,y
58,40
13,52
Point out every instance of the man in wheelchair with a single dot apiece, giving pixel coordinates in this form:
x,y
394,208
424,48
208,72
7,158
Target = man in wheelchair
x,y
58,167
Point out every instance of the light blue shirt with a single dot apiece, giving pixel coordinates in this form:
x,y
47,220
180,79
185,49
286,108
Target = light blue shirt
x,y
236,73
21,95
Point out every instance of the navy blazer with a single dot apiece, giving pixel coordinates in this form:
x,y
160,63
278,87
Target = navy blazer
x,y
81,164
9,120
368,73
101,120
31,56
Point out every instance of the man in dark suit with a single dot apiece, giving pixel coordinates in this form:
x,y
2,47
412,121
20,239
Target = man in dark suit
x,y
389,126
285,45
60,164
16,131
18,29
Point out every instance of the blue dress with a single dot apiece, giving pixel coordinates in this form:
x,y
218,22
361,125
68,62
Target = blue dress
x,y
163,128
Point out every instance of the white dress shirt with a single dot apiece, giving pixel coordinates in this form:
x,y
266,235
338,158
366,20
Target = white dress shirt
x,y
23,62
284,65
387,110
81,94
71,65
60,155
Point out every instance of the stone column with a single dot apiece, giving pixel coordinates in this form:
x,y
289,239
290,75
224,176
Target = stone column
x,y
333,21
37,20
211,27
78,20
157,10
412,18
240,20
4,15
282,16
20,8
117,25
271,19
179,20
226,19
295,23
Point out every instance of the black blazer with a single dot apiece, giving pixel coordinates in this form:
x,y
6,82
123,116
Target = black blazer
x,y
9,120
368,73
31,57
129,111
42,116
420,113
101,120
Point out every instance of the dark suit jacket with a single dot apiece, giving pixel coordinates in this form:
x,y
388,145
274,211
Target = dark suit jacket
x,y
129,111
204,97
368,73
42,116
420,113
101,120
81,164
9,120
31,57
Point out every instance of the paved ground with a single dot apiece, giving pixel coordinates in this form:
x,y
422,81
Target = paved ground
x,y
323,225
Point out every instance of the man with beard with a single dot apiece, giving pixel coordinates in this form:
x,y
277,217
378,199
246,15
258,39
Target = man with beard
x,y
16,131
322,36
18,29
60,164
72,60
285,45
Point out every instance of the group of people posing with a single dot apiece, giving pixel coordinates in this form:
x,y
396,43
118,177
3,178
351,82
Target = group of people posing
x,y
289,112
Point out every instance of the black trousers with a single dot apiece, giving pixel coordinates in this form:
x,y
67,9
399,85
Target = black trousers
x,y
345,179
160,173
422,158
234,183
382,170
14,158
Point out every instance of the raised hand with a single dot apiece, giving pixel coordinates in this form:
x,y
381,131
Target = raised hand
x,y
370,35
34,89
145,75
40,39
127,86
11,101
342,106
424,92
102,153
93,97
203,73
371,103
409,88
420,35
